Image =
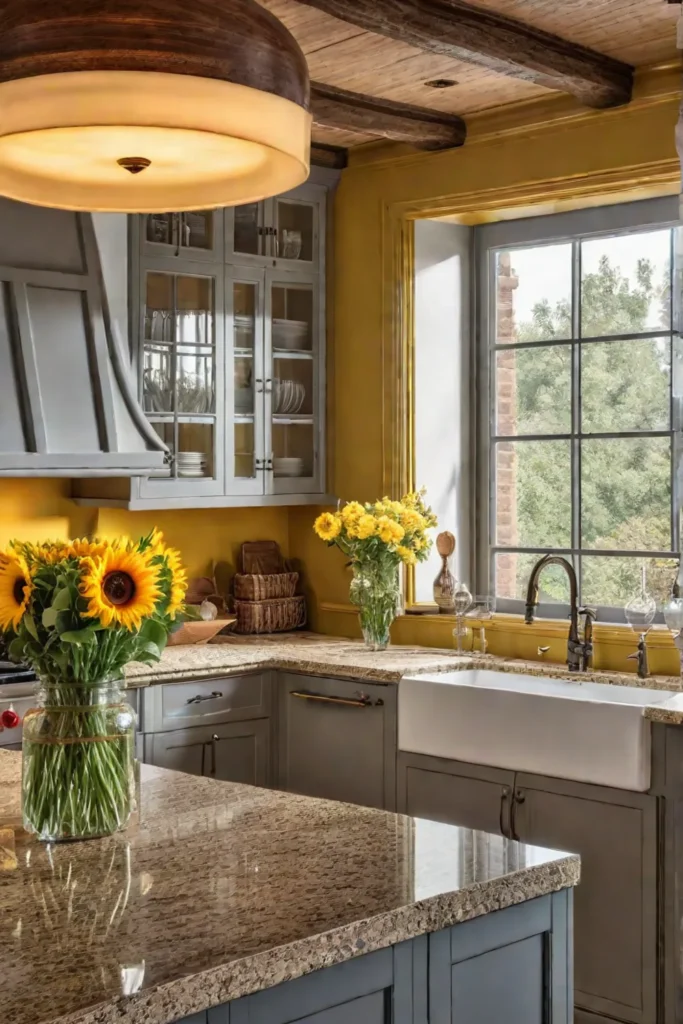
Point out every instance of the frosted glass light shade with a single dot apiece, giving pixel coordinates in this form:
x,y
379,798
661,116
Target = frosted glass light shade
x,y
199,143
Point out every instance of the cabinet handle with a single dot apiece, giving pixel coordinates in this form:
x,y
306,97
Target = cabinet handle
x,y
518,798
362,701
214,741
259,385
202,697
503,801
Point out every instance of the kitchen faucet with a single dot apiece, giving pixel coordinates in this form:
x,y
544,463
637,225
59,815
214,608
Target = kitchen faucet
x,y
579,652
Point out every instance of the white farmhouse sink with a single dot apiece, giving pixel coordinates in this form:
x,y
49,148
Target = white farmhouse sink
x,y
585,731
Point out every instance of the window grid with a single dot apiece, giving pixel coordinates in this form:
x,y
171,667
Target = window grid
x,y
576,552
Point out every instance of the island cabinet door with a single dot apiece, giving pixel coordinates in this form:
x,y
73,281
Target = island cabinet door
x,y
456,793
512,966
235,752
385,987
615,918
337,740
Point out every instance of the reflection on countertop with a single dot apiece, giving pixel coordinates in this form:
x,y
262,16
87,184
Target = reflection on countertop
x,y
220,890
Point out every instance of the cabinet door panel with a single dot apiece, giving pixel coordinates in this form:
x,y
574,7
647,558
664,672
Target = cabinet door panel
x,y
615,904
469,795
238,752
487,988
336,751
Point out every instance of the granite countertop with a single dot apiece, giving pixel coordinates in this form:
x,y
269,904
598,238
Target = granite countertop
x,y
310,653
220,890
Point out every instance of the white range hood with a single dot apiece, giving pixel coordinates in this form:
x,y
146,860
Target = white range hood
x,y
68,399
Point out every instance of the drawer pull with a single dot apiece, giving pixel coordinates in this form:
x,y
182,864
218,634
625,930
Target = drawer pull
x,y
202,697
349,702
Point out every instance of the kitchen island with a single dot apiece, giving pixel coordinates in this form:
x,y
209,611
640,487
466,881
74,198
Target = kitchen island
x,y
227,904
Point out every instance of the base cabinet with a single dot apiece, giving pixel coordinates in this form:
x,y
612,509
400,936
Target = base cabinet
x,y
615,833
337,740
238,752
513,965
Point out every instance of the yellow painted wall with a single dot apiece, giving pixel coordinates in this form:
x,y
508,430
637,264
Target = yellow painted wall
x,y
537,153
41,509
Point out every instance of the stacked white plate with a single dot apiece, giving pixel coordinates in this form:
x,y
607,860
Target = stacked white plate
x,y
191,463
290,334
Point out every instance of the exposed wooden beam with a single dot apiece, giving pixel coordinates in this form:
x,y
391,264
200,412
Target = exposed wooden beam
x,y
368,115
456,29
323,155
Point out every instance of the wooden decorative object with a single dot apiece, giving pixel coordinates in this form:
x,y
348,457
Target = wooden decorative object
x,y
350,111
462,31
444,584
198,632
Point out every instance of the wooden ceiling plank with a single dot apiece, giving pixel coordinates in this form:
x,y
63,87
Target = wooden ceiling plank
x,y
324,155
461,31
400,122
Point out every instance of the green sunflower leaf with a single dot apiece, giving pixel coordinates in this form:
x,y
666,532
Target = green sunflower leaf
x,y
62,599
78,636
50,616
153,631
30,624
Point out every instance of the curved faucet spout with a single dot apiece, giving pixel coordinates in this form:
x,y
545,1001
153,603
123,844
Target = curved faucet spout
x,y
575,649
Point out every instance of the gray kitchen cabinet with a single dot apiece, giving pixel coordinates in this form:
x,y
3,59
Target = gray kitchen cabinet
x,y
615,833
451,791
167,707
337,739
235,752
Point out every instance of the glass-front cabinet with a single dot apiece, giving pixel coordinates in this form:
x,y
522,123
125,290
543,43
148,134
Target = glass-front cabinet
x,y
231,348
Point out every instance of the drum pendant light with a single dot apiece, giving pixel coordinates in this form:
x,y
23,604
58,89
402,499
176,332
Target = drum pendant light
x,y
150,105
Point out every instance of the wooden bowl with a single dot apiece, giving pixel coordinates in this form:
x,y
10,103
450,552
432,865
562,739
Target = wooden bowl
x,y
198,632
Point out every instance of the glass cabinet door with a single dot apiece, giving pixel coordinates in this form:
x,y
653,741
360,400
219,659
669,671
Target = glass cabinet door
x,y
295,231
182,372
246,386
194,235
292,349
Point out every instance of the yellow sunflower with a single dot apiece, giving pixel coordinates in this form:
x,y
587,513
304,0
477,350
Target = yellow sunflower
x,y
327,526
121,587
84,548
178,582
15,589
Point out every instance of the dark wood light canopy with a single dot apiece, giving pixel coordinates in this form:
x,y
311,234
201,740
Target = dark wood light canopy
x,y
481,36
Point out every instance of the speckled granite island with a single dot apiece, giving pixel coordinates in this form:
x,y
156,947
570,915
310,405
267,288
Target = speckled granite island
x,y
227,904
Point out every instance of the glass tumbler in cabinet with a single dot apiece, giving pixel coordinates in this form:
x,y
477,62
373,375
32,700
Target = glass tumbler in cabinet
x,y
192,235
295,423
295,231
181,365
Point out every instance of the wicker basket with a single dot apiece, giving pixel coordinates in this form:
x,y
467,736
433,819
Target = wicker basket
x,y
249,587
275,616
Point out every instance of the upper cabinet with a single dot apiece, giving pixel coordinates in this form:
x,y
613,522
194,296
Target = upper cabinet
x,y
228,330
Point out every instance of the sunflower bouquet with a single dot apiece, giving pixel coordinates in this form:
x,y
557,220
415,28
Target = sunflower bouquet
x,y
78,612
378,538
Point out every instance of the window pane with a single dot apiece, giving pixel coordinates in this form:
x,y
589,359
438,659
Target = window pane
x,y
612,582
512,578
625,286
625,385
533,494
626,494
533,390
533,293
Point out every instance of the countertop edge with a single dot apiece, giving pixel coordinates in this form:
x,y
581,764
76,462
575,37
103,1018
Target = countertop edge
x,y
192,994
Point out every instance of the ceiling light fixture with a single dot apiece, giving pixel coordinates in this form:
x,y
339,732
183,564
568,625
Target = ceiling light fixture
x,y
150,105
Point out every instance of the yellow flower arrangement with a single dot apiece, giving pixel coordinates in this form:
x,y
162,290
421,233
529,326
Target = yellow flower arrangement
x,y
378,537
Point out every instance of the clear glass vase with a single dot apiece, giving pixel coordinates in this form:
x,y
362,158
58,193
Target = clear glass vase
x,y
376,591
79,771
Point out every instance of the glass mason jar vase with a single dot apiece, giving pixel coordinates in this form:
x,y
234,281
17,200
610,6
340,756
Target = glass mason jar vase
x,y
79,772
376,591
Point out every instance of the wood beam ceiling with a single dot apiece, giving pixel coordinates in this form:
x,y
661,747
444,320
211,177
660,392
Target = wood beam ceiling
x,y
400,122
456,29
